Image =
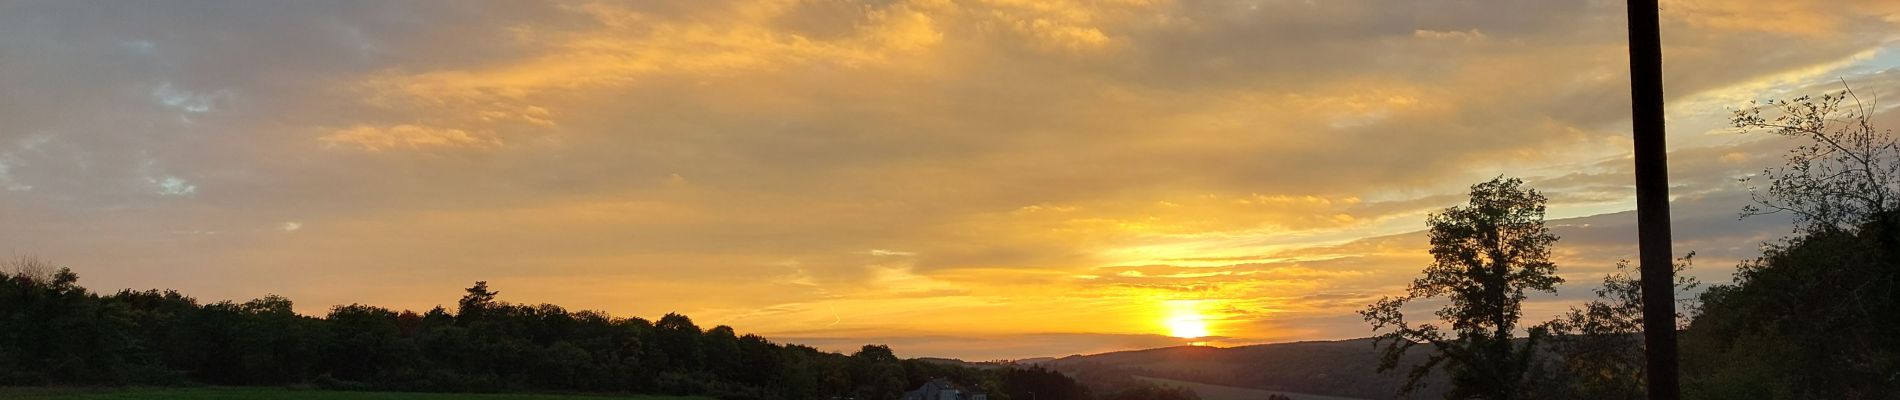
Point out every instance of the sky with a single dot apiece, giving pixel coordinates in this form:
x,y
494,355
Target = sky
x,y
978,179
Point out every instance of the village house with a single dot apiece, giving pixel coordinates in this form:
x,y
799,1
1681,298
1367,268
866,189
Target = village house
x,y
941,389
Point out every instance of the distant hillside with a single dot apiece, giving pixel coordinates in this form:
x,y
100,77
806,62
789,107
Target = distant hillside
x,y
1346,368
960,363
1219,392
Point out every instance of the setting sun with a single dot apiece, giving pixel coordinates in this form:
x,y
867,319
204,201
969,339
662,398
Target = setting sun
x,y
1185,319
1187,328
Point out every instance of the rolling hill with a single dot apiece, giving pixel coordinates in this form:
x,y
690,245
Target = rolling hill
x,y
1345,368
1219,392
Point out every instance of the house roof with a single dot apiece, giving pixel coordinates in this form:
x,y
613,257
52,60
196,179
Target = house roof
x,y
933,386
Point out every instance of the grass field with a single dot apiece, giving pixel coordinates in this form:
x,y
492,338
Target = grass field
x,y
283,394
1218,392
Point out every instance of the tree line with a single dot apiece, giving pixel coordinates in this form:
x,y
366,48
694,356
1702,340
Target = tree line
x,y
1815,317
55,332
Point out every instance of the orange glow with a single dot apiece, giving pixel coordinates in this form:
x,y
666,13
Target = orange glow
x,y
1185,319
944,177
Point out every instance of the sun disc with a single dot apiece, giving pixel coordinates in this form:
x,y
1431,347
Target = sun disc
x,y
1187,328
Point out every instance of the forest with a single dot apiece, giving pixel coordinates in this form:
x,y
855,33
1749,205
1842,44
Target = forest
x,y
55,332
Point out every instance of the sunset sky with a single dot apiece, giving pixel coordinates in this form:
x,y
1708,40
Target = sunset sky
x,y
978,179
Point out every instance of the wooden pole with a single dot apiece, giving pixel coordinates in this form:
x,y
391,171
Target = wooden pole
x,y
1652,200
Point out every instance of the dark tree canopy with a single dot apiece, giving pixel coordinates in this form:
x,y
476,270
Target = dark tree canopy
x,y
1597,348
1815,315
1485,256
54,332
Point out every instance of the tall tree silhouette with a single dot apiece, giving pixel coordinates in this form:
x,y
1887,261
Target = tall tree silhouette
x,y
1486,255
1814,317
680,339
477,302
878,372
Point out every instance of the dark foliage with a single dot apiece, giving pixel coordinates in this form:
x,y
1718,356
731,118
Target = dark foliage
x,y
1597,349
1039,383
1486,256
54,332
1812,318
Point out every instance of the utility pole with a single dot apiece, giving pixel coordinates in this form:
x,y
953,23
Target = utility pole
x,y
1652,200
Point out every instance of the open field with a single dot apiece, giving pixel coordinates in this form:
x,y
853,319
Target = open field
x,y
284,394
1218,392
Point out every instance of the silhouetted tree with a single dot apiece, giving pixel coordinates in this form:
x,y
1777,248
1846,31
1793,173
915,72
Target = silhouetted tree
x,y
280,346
1037,383
54,332
878,373
1846,173
1814,317
1486,255
722,352
679,339
160,320
759,360
476,303
1598,348
366,344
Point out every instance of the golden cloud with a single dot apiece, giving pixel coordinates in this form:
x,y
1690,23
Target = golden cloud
x,y
405,137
